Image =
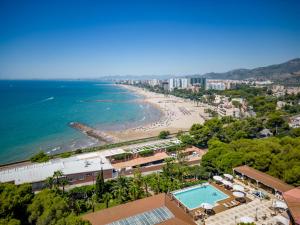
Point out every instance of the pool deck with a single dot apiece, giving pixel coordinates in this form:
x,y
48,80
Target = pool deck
x,y
219,206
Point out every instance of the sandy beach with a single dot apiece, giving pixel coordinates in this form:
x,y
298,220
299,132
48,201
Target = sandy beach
x,y
177,114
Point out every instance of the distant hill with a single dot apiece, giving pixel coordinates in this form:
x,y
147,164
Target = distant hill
x,y
286,73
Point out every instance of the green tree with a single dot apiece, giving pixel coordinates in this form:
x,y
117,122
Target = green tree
x,y
63,183
13,202
100,185
49,182
107,198
57,175
49,208
120,189
163,134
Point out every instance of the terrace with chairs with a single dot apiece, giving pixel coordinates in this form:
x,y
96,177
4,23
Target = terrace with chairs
x,y
258,206
244,204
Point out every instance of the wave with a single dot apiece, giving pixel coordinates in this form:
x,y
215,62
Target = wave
x,y
46,100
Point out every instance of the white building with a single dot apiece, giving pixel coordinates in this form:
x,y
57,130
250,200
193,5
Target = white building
x,y
185,83
215,86
77,169
154,82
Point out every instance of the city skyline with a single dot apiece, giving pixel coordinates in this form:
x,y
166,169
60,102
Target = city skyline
x,y
53,40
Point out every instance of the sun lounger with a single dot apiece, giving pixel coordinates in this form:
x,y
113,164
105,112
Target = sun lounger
x,y
225,205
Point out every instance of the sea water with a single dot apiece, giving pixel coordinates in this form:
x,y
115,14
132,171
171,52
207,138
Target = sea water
x,y
35,115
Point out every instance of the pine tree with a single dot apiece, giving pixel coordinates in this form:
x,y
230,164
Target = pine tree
x,y
100,185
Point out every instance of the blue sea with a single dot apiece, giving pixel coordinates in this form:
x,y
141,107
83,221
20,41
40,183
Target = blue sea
x,y
35,115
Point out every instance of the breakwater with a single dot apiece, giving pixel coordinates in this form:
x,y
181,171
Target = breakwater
x,y
91,132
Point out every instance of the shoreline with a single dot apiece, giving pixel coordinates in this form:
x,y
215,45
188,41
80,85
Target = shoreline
x,y
178,114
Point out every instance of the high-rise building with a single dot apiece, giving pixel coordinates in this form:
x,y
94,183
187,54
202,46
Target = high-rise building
x,y
175,83
185,83
201,81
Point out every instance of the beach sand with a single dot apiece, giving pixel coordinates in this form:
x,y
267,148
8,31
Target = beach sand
x,y
177,114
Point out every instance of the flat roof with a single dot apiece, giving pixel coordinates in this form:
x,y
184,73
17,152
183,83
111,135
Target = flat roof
x,y
264,178
292,199
37,172
138,207
141,160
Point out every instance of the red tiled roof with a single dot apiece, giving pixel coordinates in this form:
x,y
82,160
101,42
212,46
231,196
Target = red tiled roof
x,y
264,178
292,199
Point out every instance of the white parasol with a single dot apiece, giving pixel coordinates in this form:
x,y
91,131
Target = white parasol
x,y
238,194
217,178
238,187
246,219
206,206
229,176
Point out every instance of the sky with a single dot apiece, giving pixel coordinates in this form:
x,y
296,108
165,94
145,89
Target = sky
x,y
90,39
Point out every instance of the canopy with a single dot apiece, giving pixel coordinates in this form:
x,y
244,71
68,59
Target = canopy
x,y
217,178
282,220
206,206
238,194
280,204
229,176
246,219
238,187
227,183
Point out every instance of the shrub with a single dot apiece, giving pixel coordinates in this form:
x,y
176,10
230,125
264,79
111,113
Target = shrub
x,y
146,153
172,149
163,134
122,156
65,154
40,157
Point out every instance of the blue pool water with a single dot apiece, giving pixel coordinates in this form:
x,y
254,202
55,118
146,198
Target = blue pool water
x,y
193,197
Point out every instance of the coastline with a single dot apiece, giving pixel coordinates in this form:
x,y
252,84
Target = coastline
x,y
178,114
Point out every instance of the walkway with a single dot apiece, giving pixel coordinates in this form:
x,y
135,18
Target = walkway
x,y
231,216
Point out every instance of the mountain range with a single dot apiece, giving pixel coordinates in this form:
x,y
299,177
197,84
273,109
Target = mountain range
x,y
286,73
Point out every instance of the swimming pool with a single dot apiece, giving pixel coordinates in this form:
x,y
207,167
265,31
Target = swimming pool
x,y
193,197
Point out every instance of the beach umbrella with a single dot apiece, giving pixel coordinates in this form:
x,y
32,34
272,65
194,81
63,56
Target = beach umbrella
x,y
238,187
228,176
227,183
247,219
281,219
280,205
217,178
206,206
238,194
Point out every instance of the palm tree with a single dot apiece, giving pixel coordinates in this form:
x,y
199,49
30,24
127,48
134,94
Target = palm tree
x,y
57,174
134,191
146,180
94,200
64,182
106,198
120,190
49,182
